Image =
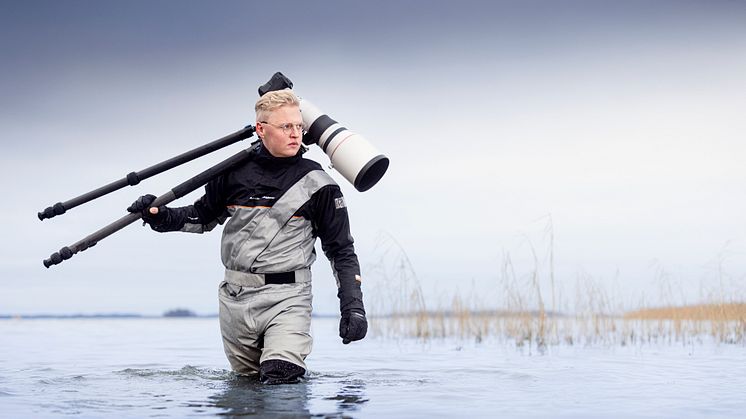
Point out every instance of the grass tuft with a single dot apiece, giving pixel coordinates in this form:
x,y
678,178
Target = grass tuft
x,y
400,310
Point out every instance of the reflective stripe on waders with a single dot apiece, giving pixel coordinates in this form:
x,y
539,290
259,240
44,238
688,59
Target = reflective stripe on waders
x,y
266,227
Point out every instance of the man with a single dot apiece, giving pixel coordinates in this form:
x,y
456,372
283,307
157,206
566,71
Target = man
x,y
276,204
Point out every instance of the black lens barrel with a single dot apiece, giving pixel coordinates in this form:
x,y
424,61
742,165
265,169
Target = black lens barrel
x,y
317,128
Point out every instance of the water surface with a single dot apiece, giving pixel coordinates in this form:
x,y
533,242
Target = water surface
x,y
176,368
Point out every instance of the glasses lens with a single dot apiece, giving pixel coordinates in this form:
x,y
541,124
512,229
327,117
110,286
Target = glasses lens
x,y
286,128
289,128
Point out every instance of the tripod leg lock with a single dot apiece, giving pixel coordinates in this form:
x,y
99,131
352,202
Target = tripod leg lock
x,y
56,258
56,209
132,179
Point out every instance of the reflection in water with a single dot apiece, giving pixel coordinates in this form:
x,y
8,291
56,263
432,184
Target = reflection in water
x,y
351,396
246,396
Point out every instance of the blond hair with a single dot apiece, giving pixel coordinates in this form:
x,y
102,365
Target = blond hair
x,y
274,100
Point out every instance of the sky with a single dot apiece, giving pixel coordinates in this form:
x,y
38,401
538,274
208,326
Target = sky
x,y
578,147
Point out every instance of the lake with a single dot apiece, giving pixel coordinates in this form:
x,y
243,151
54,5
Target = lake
x,y
175,367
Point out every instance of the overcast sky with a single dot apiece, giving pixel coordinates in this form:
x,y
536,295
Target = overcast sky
x,y
616,126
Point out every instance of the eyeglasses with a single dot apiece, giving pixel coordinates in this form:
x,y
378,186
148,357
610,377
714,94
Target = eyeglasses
x,y
286,128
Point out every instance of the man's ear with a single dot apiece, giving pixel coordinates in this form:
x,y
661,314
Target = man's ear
x,y
260,130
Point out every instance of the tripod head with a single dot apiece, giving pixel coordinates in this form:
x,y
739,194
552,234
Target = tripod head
x,y
277,82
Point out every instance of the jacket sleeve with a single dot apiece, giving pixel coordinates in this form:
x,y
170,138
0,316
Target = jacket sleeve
x,y
333,228
202,216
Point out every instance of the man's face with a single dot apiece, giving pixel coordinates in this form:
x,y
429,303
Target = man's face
x,y
278,132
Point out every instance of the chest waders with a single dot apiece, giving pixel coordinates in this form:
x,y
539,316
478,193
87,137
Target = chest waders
x,y
265,318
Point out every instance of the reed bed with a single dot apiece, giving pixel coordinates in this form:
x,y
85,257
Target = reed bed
x,y
532,330
528,319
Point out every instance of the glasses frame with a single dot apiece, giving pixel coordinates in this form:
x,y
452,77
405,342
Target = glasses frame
x,y
286,128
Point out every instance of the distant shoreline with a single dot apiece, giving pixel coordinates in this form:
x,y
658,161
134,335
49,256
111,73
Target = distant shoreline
x,y
44,316
93,316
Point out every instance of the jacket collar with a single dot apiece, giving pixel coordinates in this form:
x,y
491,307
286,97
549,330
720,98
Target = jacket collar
x,y
266,159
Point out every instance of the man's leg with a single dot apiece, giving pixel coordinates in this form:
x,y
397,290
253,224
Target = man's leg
x,y
242,344
287,336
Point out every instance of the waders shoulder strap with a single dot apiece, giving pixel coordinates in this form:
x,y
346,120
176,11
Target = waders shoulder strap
x,y
269,225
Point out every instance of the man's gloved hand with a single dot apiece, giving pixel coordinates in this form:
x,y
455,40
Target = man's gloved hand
x,y
353,326
152,216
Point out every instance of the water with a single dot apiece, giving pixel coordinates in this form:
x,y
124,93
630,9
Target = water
x,y
176,368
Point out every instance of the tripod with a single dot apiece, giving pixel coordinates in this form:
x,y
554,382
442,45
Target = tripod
x,y
134,178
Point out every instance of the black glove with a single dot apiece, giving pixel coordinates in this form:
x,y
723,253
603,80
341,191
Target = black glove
x,y
142,205
353,326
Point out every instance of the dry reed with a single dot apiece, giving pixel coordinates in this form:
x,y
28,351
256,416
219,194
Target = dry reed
x,y
400,310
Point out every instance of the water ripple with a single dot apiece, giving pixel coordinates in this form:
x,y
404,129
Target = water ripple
x,y
186,372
